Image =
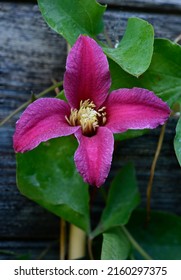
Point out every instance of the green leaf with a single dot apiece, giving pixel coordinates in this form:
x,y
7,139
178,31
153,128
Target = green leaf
x,y
177,141
70,18
115,245
123,197
161,239
135,50
48,176
163,76
61,95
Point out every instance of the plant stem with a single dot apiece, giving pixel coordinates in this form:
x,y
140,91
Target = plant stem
x,y
135,244
152,171
24,105
6,252
77,239
89,243
57,90
110,44
44,252
177,39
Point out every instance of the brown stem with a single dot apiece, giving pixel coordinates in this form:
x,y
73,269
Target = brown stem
x,y
152,171
57,90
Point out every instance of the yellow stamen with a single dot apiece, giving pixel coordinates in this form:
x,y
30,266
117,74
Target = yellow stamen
x,y
87,117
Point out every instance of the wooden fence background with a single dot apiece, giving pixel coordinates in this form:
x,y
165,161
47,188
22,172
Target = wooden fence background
x,y
31,55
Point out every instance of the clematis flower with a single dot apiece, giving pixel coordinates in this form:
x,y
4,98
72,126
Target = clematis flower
x,y
91,113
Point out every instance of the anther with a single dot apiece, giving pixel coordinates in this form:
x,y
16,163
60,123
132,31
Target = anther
x,y
87,117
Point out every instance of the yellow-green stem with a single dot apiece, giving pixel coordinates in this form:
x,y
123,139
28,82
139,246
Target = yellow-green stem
x,y
135,244
24,105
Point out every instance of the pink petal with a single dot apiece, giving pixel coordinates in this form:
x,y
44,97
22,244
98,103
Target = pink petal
x,y
87,73
135,108
94,155
42,120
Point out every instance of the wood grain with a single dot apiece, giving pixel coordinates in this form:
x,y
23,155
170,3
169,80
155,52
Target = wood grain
x,y
162,5
29,250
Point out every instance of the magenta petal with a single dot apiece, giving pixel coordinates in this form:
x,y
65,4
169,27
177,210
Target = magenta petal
x,y
135,108
42,120
94,155
87,73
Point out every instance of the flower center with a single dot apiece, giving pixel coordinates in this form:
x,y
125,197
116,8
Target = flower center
x,y
87,117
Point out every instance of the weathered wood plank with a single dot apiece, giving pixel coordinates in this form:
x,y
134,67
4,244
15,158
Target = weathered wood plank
x,y
30,56
169,6
30,250
116,22
18,65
